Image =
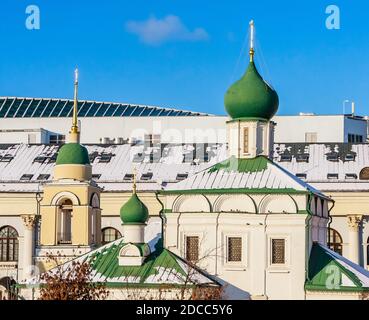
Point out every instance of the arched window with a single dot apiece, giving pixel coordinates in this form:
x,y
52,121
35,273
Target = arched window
x,y
8,244
335,241
109,235
364,174
65,222
95,204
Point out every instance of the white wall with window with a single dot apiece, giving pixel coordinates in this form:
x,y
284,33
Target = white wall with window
x,y
312,128
253,254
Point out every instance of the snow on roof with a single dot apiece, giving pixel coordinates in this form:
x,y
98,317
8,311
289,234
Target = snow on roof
x,y
330,271
24,168
257,174
326,166
160,267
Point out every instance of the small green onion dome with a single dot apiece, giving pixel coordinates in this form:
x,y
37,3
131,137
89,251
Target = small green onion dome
x,y
73,153
134,211
251,97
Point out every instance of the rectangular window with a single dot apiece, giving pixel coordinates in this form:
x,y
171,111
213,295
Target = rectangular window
x,y
332,176
286,158
301,176
246,140
57,139
43,176
192,249
278,251
234,249
311,137
31,138
26,177
302,158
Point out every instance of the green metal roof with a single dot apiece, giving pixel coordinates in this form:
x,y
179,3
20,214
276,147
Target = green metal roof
x,y
161,267
105,263
134,211
251,97
72,153
328,271
257,164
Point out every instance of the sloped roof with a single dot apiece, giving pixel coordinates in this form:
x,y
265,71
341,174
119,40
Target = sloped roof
x,y
19,107
345,160
328,271
161,267
171,162
246,175
110,164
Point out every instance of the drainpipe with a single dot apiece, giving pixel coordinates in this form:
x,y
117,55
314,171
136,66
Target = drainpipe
x,y
265,256
161,216
307,252
216,244
329,213
39,198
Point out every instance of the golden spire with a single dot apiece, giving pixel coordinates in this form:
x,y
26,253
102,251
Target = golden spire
x,y
252,36
75,128
134,188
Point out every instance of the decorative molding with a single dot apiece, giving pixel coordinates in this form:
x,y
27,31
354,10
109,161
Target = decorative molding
x,y
61,196
354,222
29,220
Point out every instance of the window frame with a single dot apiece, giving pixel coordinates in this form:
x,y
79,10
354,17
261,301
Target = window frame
x,y
235,265
246,140
5,242
286,264
191,235
311,137
334,245
116,231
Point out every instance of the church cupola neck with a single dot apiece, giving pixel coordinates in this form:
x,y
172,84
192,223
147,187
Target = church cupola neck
x,y
251,103
74,133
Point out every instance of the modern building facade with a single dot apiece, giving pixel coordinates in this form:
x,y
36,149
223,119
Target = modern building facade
x,y
40,120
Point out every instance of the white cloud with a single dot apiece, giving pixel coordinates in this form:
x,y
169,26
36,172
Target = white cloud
x,y
155,31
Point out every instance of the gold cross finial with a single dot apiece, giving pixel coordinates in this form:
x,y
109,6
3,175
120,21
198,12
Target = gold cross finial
x,y
75,128
252,38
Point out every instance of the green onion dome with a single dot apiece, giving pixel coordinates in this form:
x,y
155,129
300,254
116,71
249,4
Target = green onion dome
x,y
251,97
134,211
73,153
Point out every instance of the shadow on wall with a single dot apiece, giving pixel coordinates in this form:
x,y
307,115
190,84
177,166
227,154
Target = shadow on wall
x,y
231,292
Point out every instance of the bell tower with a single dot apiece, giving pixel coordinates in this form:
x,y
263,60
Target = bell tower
x,y
70,209
251,102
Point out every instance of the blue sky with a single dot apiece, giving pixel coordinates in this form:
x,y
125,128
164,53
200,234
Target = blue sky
x,y
185,53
